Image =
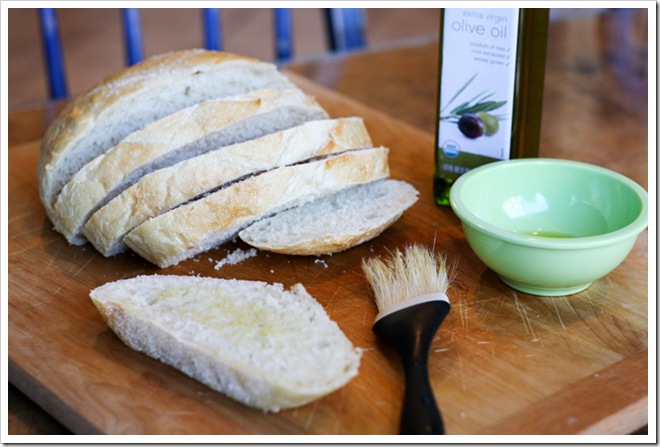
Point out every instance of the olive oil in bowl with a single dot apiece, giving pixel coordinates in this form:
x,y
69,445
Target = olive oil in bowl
x,y
551,234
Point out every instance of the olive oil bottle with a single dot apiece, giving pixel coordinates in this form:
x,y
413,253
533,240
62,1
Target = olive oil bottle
x,y
490,89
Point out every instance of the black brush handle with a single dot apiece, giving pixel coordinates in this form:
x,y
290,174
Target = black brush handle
x,y
411,331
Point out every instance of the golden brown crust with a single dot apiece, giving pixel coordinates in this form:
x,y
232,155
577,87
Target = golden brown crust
x,y
110,100
80,112
163,189
199,225
139,152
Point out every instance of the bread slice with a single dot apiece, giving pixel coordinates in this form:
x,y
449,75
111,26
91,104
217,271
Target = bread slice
x,y
166,188
100,118
257,343
189,132
335,222
218,217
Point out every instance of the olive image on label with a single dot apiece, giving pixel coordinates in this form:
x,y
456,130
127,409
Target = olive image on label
x,y
491,122
475,126
471,126
472,116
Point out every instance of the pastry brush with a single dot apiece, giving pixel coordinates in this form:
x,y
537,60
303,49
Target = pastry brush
x,y
410,292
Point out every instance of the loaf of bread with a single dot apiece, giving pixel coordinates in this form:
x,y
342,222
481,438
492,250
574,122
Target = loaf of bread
x,y
178,154
334,222
169,187
218,217
257,343
123,103
189,132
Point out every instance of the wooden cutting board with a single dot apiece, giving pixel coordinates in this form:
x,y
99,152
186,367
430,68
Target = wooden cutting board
x,y
502,362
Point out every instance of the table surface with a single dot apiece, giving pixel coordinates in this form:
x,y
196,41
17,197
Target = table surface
x,y
595,110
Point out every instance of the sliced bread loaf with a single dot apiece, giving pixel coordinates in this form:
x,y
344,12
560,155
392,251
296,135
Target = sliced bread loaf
x,y
100,118
169,187
335,222
218,217
189,132
259,344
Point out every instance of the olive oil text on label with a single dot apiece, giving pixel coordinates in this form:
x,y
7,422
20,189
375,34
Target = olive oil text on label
x,y
472,22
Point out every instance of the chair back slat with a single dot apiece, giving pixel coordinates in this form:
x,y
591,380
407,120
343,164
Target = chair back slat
x,y
283,34
132,35
53,54
212,29
346,28
355,28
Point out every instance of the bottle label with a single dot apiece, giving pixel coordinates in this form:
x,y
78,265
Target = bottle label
x,y
477,87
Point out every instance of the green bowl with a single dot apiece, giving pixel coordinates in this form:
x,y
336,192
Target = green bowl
x,y
546,226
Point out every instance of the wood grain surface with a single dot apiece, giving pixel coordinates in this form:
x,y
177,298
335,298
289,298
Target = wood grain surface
x,y
502,362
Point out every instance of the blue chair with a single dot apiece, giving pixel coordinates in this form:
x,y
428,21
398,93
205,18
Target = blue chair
x,y
345,32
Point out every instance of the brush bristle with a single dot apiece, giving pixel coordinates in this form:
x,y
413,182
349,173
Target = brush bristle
x,y
415,272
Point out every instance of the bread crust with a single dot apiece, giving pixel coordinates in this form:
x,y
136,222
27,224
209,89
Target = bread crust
x,y
112,101
200,225
185,133
166,188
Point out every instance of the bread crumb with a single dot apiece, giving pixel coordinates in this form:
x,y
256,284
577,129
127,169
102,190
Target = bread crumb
x,y
321,261
235,257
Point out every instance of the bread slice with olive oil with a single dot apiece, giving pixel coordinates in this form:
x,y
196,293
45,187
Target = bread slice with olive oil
x,y
257,343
